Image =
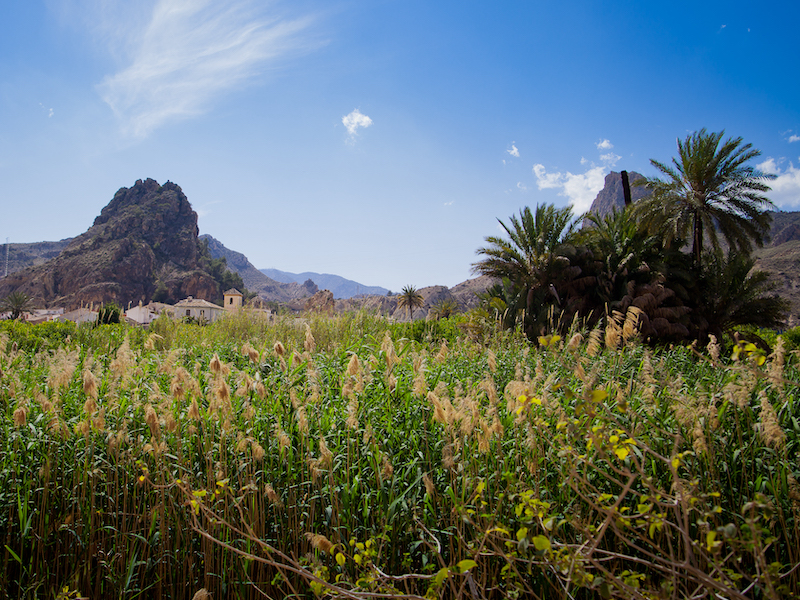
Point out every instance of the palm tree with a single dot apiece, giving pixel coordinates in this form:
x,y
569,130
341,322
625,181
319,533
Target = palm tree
x,y
15,303
534,257
708,189
409,298
731,293
444,308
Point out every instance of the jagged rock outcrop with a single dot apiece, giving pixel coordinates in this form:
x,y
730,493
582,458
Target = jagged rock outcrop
x,y
612,196
322,302
144,240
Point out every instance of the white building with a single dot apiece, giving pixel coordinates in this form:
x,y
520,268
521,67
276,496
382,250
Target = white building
x,y
200,310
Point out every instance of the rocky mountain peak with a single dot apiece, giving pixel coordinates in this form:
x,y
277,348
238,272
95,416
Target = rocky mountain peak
x,y
145,240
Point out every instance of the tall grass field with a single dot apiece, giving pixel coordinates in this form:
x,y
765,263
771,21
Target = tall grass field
x,y
344,457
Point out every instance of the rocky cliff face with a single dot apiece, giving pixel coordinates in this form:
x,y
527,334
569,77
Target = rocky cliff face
x,y
612,196
144,239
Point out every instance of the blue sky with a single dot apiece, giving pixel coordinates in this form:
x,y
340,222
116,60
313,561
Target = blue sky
x,y
379,140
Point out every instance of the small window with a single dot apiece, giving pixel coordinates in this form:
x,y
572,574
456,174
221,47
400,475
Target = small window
x,y
231,300
188,313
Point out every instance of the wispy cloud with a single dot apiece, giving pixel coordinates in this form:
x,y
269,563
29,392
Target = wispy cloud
x,y
355,120
786,185
794,138
514,151
189,53
580,189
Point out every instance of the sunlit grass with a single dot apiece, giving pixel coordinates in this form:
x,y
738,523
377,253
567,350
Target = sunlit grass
x,y
295,455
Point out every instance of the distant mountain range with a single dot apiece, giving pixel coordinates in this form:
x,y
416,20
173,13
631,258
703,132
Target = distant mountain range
x,y
341,287
145,243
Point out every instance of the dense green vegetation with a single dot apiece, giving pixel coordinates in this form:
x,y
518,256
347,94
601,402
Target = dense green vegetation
x,y
631,264
348,457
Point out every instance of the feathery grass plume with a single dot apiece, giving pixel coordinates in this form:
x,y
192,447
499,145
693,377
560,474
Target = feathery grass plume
x,y
279,349
215,365
194,411
518,372
170,422
250,352
310,343
418,362
272,495
391,382
21,415
151,418
349,389
353,366
325,455
320,542
630,329
430,489
420,386
90,384
387,348
302,420
90,406
488,386
439,414
352,413
257,450
448,462
387,470
491,359
202,594
121,366
770,427
442,355
61,369
646,372
713,347
284,441
613,334
579,372
775,367
150,342
574,342
83,428
593,346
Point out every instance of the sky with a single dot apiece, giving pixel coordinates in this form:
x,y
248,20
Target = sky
x,y
379,140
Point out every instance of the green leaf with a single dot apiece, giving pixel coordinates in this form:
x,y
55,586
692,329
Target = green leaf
x,y
465,565
541,543
443,574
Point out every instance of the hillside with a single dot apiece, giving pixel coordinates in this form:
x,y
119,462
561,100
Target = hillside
x,y
145,240
339,286
254,280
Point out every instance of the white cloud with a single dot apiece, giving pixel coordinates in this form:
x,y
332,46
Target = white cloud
x,y
50,113
794,138
355,120
187,54
522,187
579,188
513,152
786,186
604,145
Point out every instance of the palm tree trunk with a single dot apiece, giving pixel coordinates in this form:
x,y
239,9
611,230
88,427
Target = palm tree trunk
x,y
697,247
